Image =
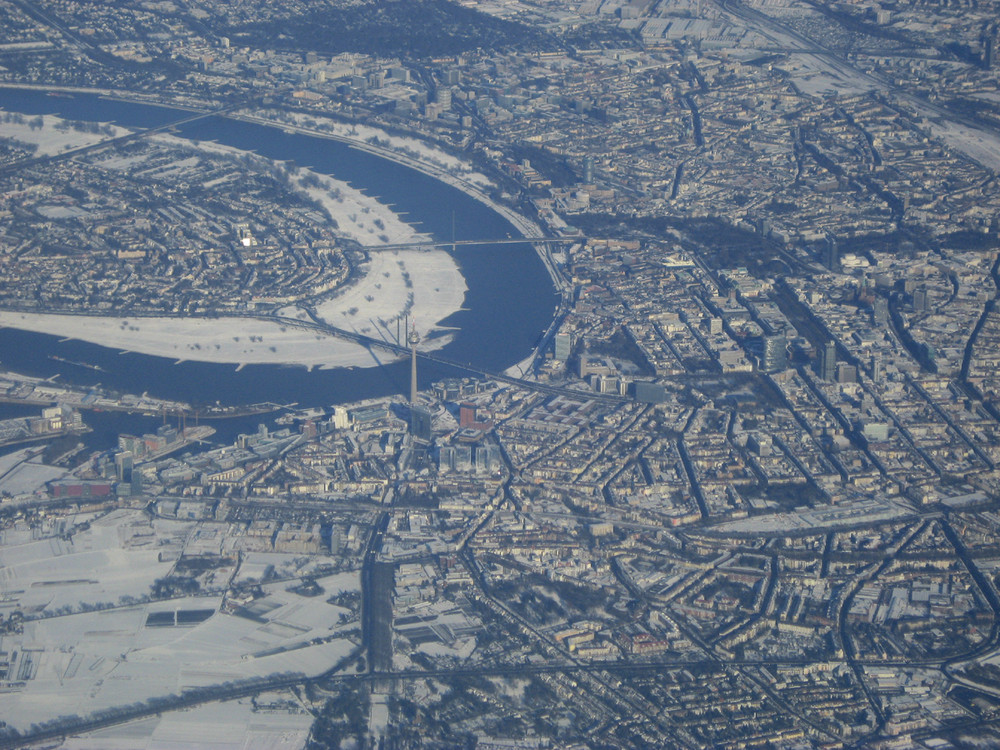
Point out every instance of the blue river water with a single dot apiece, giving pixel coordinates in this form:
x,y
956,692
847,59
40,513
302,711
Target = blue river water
x,y
510,298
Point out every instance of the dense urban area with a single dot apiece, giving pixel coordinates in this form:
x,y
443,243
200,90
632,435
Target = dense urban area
x,y
744,495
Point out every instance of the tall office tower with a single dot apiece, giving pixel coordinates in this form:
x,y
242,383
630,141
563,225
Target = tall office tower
x,y
828,361
420,423
880,310
588,170
124,462
989,50
413,340
775,353
831,254
563,346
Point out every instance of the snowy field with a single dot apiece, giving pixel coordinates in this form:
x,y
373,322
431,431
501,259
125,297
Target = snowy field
x,y
85,662
427,285
53,135
22,472
371,306
979,145
116,556
88,662
815,77
232,725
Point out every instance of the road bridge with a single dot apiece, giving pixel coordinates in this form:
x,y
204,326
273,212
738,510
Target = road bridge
x,y
454,243
117,140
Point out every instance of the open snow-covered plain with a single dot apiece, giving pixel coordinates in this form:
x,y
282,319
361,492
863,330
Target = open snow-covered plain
x,y
53,135
93,639
228,725
425,285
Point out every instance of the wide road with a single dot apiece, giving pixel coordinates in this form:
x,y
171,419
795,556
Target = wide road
x,y
376,602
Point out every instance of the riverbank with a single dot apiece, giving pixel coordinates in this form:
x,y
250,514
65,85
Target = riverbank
x,y
474,189
505,300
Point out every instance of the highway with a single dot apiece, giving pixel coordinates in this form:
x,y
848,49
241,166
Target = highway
x,y
376,601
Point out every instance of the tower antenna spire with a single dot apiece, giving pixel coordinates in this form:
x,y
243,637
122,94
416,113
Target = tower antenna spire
x,y
413,340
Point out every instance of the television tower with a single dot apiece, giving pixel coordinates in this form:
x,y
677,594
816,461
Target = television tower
x,y
413,340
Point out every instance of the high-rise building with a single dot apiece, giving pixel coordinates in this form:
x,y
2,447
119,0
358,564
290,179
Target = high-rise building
x,y
828,361
124,462
420,423
831,254
487,459
340,419
880,310
775,356
588,170
446,459
563,346
846,373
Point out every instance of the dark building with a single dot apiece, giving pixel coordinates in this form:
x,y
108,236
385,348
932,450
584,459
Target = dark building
x,y
827,364
846,373
880,310
420,424
831,254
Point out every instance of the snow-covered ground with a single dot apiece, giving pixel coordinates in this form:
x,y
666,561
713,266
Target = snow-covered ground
x,y
230,725
98,565
98,660
78,664
815,76
359,216
22,472
42,131
979,145
425,284
221,340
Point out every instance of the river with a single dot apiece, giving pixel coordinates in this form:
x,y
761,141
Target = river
x,y
510,298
